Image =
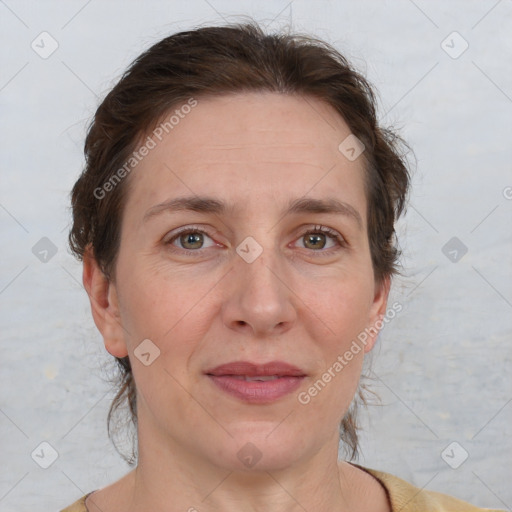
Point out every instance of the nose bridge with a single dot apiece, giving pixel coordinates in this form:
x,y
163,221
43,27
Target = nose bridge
x,y
259,276
260,297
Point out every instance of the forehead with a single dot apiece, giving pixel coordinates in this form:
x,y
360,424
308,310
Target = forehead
x,y
256,122
248,144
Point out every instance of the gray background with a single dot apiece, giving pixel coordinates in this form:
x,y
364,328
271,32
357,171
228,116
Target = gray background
x,y
443,367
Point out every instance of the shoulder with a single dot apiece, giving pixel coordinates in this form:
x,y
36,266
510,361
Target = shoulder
x,y
77,506
409,498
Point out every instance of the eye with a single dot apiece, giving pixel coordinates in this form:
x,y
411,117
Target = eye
x,y
191,239
320,238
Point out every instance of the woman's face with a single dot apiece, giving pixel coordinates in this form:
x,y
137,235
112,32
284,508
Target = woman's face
x,y
244,239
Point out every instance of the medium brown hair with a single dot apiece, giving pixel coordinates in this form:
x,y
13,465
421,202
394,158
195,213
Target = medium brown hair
x,y
217,61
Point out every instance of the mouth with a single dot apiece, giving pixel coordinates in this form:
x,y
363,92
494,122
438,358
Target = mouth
x,y
261,378
257,383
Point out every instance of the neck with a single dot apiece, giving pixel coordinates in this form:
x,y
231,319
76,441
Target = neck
x,y
168,475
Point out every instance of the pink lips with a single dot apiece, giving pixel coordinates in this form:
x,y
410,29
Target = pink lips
x,y
257,384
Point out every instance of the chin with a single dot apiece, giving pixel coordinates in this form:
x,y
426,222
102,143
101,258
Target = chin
x,y
256,447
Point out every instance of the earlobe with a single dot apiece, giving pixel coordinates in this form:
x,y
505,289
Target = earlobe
x,y
104,305
377,311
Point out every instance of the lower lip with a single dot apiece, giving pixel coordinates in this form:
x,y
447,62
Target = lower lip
x,y
257,392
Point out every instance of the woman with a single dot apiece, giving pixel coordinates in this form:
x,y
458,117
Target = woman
x,y
236,224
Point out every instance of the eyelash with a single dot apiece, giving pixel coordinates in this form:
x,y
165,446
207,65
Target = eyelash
x,y
334,235
187,229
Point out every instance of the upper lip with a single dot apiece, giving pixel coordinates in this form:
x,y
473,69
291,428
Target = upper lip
x,y
279,368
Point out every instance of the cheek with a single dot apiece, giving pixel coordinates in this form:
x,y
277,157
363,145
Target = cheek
x,y
342,306
342,312
175,314
160,301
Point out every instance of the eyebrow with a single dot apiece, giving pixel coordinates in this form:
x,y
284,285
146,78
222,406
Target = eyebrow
x,y
195,204
328,205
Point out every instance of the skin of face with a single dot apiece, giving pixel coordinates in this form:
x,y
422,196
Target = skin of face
x,y
202,307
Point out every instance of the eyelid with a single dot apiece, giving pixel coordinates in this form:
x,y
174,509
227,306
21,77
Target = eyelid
x,y
171,237
312,229
331,233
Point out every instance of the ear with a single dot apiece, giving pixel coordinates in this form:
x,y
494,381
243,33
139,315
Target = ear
x,y
377,312
104,305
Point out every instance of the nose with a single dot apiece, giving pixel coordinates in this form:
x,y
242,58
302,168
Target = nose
x,y
259,301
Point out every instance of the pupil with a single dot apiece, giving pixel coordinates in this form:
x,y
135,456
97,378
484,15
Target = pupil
x,y
316,240
192,241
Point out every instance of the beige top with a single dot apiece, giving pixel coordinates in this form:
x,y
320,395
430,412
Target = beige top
x,y
403,497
